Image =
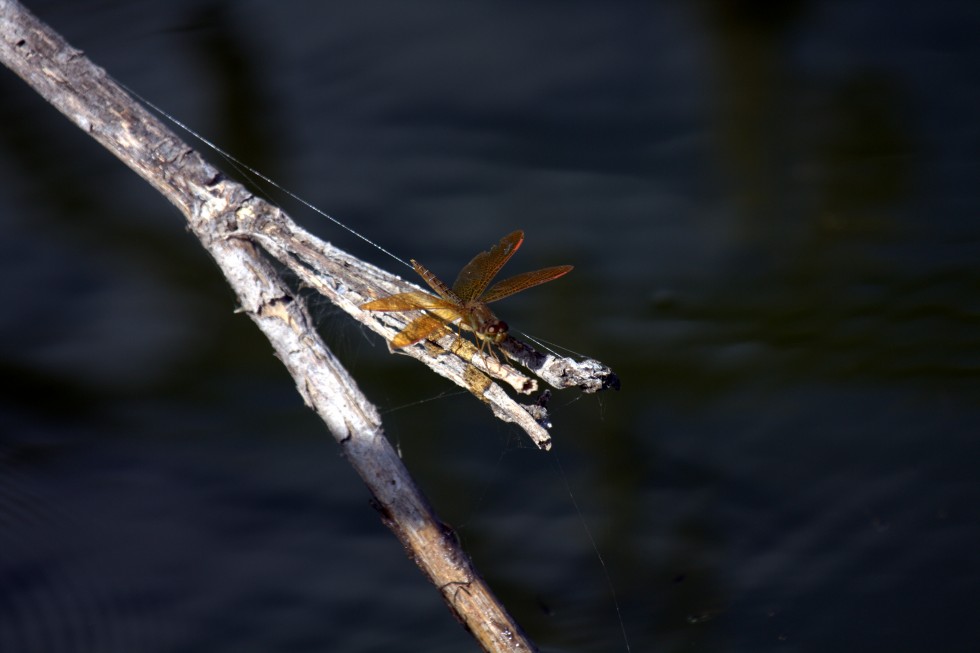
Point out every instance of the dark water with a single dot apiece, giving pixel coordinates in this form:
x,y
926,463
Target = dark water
x,y
773,214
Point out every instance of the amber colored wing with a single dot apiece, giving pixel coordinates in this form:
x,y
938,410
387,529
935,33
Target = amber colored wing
x,y
520,282
478,273
422,326
415,300
436,283
416,330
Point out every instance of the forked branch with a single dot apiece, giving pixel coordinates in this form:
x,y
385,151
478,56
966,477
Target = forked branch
x,y
234,226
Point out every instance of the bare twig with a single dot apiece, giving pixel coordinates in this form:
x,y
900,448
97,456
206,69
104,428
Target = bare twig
x,y
349,282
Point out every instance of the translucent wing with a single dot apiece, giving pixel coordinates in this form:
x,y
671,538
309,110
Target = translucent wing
x,y
442,312
520,282
417,329
436,283
478,273
415,300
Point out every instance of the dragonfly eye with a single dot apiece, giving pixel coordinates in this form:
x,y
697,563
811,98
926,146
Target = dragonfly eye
x,y
497,331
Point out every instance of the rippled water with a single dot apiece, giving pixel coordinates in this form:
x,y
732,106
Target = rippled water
x,y
773,214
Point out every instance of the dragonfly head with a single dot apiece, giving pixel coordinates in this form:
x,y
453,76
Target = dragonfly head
x,y
495,332
486,326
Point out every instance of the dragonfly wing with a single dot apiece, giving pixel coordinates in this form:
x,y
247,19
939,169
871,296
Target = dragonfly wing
x,y
520,282
436,283
439,313
417,329
478,273
415,300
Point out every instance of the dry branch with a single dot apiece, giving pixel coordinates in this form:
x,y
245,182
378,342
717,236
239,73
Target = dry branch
x,y
235,227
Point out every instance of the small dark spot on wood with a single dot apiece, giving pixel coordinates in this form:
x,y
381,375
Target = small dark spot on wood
x,y
215,180
457,585
21,43
449,534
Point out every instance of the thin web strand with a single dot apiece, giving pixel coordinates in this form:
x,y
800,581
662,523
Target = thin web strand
x,y
438,397
243,167
595,547
540,342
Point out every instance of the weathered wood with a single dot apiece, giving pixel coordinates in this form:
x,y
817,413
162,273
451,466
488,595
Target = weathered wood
x,y
222,215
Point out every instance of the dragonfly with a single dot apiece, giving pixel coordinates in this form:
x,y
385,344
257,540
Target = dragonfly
x,y
466,300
